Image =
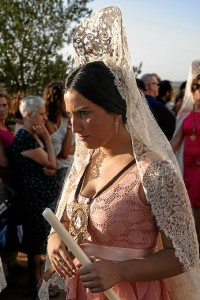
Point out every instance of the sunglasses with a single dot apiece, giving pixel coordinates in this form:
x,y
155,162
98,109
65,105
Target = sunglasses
x,y
154,83
196,87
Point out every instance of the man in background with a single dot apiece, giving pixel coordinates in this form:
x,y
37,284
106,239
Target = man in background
x,y
161,113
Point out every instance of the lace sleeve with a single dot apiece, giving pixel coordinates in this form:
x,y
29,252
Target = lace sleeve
x,y
167,196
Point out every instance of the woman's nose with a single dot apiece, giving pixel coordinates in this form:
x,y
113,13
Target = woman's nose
x,y
76,126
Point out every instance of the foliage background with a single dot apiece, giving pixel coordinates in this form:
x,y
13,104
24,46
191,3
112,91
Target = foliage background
x,y
32,34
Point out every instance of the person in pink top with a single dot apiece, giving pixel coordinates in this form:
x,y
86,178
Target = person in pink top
x,y
6,176
124,200
186,141
6,136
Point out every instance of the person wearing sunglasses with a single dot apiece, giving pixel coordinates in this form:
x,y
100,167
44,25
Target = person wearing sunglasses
x,y
162,115
186,141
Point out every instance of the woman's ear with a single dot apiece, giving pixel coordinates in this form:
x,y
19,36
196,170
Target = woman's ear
x,y
27,116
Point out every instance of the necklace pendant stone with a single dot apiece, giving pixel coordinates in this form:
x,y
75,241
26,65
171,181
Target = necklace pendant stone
x,y
78,220
193,137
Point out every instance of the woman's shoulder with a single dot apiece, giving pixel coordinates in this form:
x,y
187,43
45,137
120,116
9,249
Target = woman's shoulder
x,y
23,139
49,126
6,137
22,134
5,132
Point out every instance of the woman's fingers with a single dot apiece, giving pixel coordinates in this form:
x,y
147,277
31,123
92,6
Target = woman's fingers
x,y
100,275
59,256
49,172
63,264
92,283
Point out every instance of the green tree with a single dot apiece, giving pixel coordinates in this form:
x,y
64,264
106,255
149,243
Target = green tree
x,y
137,70
32,34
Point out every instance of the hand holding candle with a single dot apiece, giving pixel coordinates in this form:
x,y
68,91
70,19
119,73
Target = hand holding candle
x,y
72,245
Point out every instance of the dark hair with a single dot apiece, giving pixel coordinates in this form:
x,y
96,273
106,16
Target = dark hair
x,y
15,104
179,96
195,83
95,82
141,84
183,85
53,95
164,87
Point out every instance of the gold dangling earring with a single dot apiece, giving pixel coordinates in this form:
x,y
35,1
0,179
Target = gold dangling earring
x,y
116,125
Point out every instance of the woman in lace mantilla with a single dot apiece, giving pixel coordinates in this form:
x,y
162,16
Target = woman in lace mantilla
x,y
140,230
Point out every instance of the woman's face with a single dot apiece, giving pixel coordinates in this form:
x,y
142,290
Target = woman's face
x,y
196,93
94,125
39,117
3,108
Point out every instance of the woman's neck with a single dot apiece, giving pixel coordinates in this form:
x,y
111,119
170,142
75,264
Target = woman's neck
x,y
28,127
197,106
55,124
121,145
2,124
58,120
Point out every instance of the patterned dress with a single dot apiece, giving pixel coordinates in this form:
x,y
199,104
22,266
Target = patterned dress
x,y
37,191
121,227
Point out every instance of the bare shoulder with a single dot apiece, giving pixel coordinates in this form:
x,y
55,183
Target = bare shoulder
x,y
49,126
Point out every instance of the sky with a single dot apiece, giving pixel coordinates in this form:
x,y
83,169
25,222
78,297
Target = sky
x,y
163,35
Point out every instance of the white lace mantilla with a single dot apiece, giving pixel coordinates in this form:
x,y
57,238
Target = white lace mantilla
x,y
102,38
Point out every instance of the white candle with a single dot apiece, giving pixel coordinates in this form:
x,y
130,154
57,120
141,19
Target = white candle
x,y
72,245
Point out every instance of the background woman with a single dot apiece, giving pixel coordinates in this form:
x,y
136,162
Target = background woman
x,y
187,138
59,126
16,112
35,166
6,137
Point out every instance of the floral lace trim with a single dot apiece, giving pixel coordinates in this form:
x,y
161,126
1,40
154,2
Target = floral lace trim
x,y
167,197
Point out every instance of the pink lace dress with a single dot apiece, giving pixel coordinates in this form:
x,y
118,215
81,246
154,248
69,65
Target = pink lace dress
x,y
121,227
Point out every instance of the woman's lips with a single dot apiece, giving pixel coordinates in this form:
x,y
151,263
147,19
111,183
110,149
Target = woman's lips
x,y
83,137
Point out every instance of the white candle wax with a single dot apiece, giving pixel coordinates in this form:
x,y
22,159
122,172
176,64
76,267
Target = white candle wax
x,y
72,245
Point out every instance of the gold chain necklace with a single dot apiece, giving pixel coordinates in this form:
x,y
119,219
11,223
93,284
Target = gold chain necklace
x,y
194,127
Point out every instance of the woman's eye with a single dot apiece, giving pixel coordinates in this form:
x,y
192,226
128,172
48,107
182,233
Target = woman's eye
x,y
83,114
